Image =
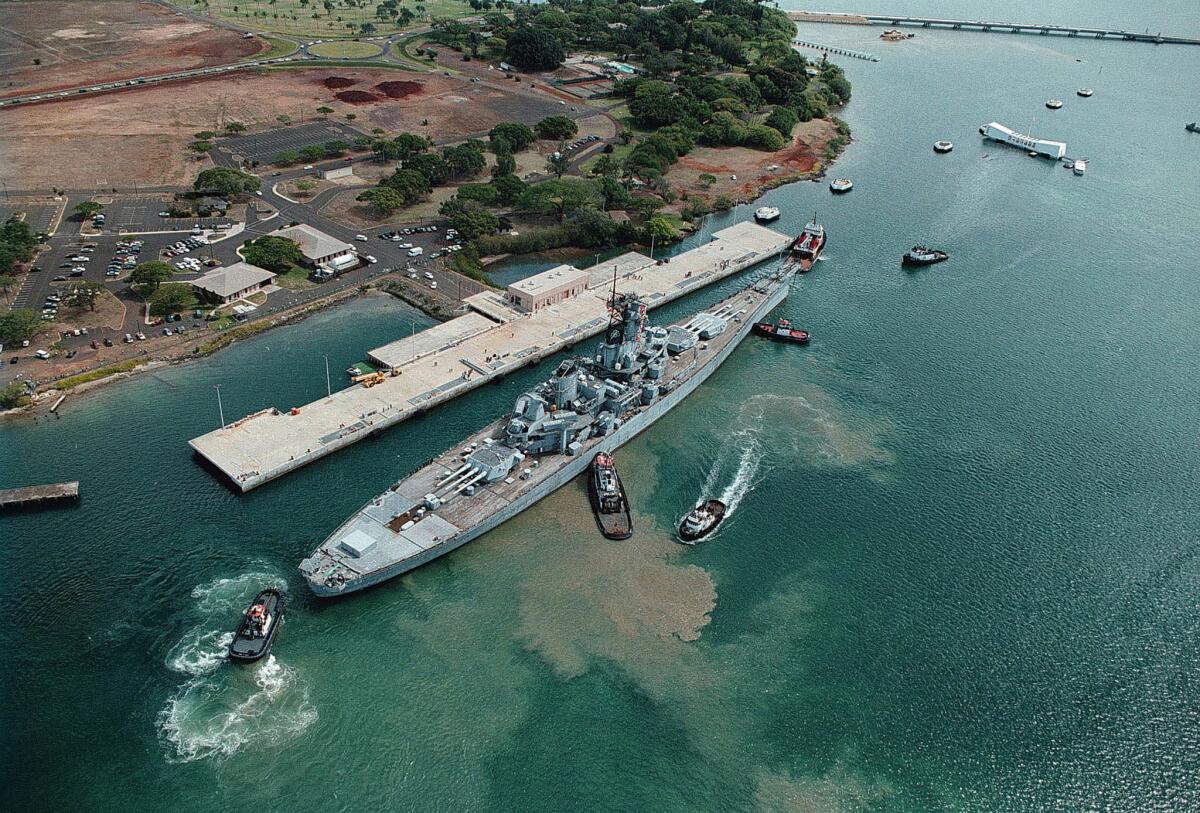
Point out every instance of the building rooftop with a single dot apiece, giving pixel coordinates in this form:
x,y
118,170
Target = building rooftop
x,y
314,243
550,280
231,279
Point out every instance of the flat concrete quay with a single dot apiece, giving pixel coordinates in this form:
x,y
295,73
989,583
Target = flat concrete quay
x,y
978,25
12,499
449,359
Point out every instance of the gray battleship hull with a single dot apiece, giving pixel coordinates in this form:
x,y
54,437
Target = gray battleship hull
x,y
569,471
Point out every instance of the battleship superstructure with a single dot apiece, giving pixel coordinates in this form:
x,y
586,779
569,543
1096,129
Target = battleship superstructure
x,y
590,404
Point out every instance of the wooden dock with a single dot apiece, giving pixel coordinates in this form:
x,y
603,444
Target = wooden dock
x,y
12,499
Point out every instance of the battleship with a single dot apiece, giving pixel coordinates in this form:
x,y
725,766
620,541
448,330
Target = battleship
x,y
591,404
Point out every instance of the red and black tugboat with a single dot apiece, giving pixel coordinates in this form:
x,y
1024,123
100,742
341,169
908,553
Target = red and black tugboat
x,y
257,632
608,500
781,331
807,247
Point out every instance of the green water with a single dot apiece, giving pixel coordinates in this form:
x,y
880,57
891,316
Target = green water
x,y
960,574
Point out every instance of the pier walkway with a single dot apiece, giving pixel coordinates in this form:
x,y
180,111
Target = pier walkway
x,y
837,49
978,25
15,499
447,360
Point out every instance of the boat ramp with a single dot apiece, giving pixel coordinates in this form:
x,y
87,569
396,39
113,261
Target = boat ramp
x,y
496,337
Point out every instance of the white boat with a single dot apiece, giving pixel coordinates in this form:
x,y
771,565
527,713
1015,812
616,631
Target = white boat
x,y
765,214
942,146
1084,92
841,185
1080,166
1054,104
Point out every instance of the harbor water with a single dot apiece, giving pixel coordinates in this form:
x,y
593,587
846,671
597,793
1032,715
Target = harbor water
x,y
959,571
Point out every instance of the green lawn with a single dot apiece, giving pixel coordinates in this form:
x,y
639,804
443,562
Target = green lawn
x,y
295,279
289,17
278,48
345,49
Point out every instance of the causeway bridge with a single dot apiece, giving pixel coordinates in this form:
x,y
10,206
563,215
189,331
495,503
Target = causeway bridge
x,y
1004,28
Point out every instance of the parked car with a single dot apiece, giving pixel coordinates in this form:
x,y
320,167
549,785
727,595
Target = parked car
x,y
42,354
362,238
417,251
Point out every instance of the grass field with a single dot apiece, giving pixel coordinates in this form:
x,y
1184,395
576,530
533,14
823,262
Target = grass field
x,y
311,20
295,279
345,49
277,48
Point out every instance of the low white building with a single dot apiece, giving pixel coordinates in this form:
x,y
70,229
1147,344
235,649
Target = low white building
x,y
548,288
232,282
320,249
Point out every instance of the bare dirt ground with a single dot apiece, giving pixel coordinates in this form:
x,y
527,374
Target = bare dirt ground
x,y
755,170
140,135
85,42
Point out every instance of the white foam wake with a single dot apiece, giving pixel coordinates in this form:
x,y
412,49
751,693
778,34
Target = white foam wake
x,y
222,707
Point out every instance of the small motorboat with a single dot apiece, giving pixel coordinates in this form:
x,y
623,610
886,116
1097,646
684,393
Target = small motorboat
x,y
607,495
1084,92
1192,128
766,214
943,146
781,331
701,521
1054,104
841,185
1080,166
259,626
806,248
922,255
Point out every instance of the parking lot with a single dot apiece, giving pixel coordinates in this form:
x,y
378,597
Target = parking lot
x,y
263,147
139,214
39,216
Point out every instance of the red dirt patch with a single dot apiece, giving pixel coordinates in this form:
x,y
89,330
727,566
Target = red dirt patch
x,y
357,97
335,82
400,89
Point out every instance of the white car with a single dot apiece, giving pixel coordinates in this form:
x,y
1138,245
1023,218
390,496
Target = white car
x,y
433,285
42,354
405,245
362,238
416,251
428,275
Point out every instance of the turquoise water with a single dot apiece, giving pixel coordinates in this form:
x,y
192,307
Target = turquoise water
x,y
960,572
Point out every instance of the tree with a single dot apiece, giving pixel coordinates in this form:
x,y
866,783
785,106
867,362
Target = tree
x,y
782,119
284,120
286,157
87,209
509,188
707,179
351,116
234,127
433,167
558,163
471,219
505,165
18,325
324,111
660,230
7,282
556,128
534,49
85,294
12,396
561,196
305,188
313,152
517,135
606,166
383,200
335,149
225,182
273,253
655,105
465,160
150,274
171,298
409,184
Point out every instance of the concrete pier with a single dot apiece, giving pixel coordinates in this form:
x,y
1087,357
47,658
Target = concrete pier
x,y
447,360
16,499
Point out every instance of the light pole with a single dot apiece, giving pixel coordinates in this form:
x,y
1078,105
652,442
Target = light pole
x,y
412,342
328,388
220,409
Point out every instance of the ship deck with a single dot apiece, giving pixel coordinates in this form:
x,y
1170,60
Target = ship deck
x,y
376,529
464,353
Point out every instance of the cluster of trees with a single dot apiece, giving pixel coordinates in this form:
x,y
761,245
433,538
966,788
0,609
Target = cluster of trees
x,y
273,253
17,244
225,182
318,152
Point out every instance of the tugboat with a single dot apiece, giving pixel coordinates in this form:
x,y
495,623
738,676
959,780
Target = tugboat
x,y
608,500
943,146
841,185
921,255
1084,92
766,214
257,632
701,521
807,247
1054,104
781,331
1192,128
